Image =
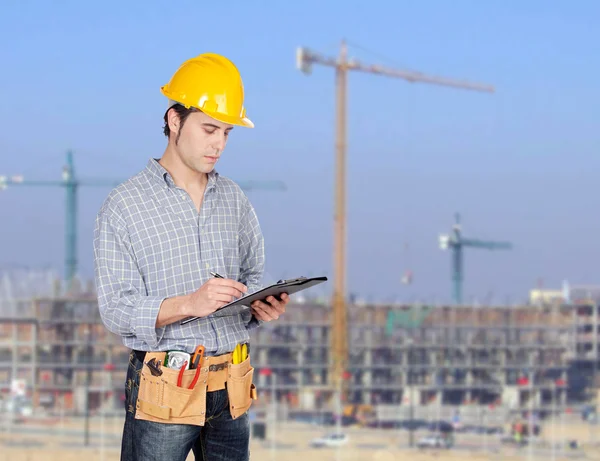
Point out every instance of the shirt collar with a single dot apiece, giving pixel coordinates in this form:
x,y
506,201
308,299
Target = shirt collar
x,y
158,172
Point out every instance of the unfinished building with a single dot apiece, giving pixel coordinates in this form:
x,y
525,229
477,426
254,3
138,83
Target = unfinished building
x,y
450,355
62,354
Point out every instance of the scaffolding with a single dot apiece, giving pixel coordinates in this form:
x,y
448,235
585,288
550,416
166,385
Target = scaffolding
x,y
400,356
62,352
452,355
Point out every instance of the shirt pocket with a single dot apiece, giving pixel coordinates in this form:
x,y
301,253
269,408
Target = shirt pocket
x,y
230,247
224,229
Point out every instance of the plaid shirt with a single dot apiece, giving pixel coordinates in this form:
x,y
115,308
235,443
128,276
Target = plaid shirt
x,y
150,243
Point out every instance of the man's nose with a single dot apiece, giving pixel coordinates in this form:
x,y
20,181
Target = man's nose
x,y
220,141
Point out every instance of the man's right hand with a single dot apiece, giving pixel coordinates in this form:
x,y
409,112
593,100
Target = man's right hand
x,y
213,295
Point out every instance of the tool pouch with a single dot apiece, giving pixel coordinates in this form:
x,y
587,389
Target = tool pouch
x,y
240,388
161,400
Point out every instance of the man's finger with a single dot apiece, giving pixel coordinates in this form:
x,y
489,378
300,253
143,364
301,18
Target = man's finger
x,y
226,290
273,301
230,283
265,316
225,298
276,305
260,304
259,314
270,312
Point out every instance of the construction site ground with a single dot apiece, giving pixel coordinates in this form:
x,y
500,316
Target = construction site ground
x,y
64,441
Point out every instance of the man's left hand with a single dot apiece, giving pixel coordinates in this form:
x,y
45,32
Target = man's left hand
x,y
270,310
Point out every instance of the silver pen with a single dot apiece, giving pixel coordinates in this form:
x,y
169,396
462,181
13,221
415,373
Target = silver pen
x,y
214,274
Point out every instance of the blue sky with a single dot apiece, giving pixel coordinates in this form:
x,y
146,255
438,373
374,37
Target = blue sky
x,y
520,165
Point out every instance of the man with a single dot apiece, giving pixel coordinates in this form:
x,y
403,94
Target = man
x,y
161,240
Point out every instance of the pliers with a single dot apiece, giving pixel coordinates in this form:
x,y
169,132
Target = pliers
x,y
196,362
180,376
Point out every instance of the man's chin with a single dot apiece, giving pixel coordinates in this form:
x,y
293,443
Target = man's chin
x,y
206,169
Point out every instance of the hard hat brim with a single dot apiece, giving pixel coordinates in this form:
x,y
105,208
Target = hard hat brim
x,y
239,121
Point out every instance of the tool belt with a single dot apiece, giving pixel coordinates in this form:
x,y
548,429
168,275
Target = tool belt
x,y
161,400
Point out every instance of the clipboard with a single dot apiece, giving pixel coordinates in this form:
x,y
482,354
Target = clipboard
x,y
289,286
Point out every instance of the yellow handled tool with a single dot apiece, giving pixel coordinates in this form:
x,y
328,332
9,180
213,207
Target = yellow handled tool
x,y
240,353
236,354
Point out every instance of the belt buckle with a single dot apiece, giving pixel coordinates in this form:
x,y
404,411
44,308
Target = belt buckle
x,y
218,366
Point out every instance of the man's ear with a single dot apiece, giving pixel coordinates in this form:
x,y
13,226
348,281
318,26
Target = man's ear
x,y
173,121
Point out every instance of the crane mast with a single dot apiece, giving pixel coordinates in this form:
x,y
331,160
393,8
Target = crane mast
x,y
71,183
305,58
457,243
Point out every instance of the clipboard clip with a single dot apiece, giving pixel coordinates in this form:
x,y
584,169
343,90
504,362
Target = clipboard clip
x,y
283,282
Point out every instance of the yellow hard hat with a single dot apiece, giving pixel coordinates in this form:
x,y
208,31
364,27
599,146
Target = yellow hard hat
x,y
211,83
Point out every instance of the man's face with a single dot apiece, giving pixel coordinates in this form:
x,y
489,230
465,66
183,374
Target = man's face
x,y
201,141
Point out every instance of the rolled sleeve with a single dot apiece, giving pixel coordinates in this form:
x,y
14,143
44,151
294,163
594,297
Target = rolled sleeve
x,y
124,306
143,320
252,255
254,323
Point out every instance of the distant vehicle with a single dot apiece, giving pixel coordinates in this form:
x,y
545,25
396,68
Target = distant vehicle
x,y
330,440
17,406
434,441
443,427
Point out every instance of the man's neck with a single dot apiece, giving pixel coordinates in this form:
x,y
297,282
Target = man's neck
x,y
183,176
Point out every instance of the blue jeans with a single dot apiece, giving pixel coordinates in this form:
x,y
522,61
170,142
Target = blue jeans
x,y
220,439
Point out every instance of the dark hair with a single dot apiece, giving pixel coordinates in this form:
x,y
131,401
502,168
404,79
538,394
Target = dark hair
x,y
183,114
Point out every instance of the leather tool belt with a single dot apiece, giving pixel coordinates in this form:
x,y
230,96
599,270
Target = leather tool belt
x,y
161,400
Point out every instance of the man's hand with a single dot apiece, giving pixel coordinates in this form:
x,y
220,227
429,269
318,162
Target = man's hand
x,y
272,309
212,295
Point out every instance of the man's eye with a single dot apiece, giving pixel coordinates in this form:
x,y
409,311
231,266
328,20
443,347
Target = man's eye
x,y
209,131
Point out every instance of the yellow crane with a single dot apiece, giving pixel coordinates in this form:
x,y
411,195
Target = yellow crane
x,y
305,58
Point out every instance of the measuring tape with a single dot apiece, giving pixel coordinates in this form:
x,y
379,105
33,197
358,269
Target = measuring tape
x,y
176,359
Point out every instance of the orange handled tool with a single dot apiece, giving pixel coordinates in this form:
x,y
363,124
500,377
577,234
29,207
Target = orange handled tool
x,y
197,357
197,364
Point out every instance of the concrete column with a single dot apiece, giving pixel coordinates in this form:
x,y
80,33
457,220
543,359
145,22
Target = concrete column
x,y
263,356
34,362
300,365
504,364
367,379
537,393
563,393
469,378
595,336
301,335
439,374
468,395
405,368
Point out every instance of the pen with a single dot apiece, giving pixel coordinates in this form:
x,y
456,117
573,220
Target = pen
x,y
215,275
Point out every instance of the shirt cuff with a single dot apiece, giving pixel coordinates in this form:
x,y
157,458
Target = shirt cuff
x,y
254,323
145,314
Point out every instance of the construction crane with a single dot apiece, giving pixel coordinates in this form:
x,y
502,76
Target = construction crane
x,y
305,58
71,183
456,242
